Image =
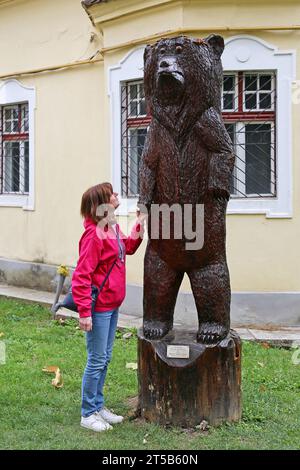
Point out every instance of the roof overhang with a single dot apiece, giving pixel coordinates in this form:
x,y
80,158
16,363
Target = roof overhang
x,y
101,11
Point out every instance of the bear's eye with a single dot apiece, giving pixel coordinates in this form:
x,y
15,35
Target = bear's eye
x,y
162,50
178,49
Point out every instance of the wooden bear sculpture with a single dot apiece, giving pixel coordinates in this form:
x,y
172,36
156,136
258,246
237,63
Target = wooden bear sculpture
x,y
187,161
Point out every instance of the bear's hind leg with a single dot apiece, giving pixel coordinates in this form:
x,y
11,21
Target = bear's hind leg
x,y
211,289
161,285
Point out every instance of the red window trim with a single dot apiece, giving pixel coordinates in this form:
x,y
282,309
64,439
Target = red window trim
x,y
135,122
236,116
18,137
248,116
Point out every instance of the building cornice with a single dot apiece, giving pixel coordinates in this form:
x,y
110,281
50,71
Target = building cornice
x,y
10,2
102,11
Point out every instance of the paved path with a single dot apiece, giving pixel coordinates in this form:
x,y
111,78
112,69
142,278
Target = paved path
x,y
284,336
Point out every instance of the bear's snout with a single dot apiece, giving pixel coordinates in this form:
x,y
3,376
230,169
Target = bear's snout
x,y
169,65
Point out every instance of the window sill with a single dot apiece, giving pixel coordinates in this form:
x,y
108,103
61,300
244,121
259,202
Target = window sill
x,y
22,201
272,208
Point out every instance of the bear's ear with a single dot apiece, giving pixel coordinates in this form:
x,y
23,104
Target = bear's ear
x,y
217,43
147,52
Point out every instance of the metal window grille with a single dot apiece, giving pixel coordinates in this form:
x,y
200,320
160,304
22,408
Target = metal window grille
x,y
14,149
249,112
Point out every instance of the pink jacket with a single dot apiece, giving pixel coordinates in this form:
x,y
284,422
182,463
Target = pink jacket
x,y
98,248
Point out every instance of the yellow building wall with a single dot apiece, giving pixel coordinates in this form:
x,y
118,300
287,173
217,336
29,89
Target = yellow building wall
x,y
73,127
70,125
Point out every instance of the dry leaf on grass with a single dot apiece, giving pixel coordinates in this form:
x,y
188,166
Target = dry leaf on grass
x,y
1,335
127,335
131,365
57,382
265,345
203,426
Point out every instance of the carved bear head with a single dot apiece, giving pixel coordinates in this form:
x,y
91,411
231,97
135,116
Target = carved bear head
x,y
183,71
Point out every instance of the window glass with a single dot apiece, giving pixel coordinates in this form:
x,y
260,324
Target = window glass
x,y
258,158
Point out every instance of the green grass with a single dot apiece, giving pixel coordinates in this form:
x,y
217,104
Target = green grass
x,y
35,415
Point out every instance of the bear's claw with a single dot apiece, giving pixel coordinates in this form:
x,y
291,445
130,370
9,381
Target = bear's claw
x,y
211,333
155,330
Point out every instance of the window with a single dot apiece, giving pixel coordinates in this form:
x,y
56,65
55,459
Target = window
x,y
248,102
134,130
14,173
17,110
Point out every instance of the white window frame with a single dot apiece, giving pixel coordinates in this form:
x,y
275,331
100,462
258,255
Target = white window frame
x,y
247,53
136,100
12,93
10,121
242,53
234,93
129,69
259,92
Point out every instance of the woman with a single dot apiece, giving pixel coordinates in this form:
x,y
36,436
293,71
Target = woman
x,y
102,252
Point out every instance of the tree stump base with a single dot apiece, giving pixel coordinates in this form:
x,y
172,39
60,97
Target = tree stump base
x,y
180,391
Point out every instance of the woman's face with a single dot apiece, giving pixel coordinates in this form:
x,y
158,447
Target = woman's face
x,y
114,201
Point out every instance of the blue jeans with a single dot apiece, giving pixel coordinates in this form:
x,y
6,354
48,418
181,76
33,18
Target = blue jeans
x,y
99,343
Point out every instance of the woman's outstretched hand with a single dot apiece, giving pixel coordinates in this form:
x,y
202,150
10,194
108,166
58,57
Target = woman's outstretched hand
x,y
141,217
85,324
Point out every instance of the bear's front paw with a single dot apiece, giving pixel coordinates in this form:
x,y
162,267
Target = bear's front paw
x,y
155,329
211,333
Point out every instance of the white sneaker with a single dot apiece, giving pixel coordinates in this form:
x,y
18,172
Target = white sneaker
x,y
94,423
109,417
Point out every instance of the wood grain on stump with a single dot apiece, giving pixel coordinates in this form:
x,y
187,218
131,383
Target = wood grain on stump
x,y
184,392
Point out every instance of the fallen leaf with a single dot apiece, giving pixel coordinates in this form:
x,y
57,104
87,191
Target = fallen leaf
x,y
265,345
61,321
203,426
1,335
50,369
131,365
261,364
57,381
144,441
127,335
